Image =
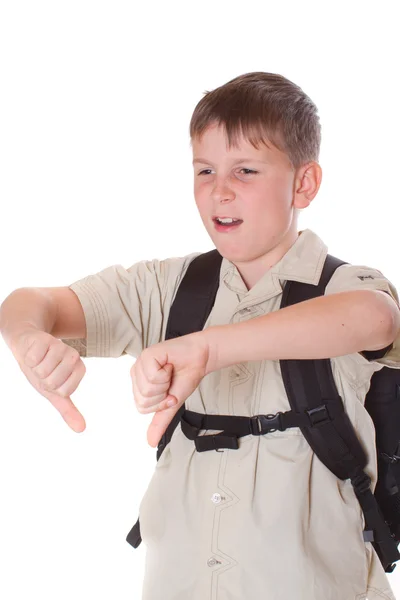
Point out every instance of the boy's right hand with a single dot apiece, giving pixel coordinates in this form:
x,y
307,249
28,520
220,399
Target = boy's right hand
x,y
53,368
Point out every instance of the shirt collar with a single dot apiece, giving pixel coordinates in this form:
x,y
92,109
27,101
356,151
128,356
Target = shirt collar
x,y
304,262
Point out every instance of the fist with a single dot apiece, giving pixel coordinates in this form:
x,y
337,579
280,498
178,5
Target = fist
x,y
54,369
165,375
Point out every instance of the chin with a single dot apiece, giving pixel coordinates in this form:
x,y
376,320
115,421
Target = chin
x,y
232,251
234,255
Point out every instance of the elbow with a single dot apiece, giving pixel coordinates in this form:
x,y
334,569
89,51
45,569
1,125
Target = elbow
x,y
379,319
394,325
388,320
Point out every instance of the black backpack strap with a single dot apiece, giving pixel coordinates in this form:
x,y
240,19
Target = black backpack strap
x,y
383,404
311,388
189,311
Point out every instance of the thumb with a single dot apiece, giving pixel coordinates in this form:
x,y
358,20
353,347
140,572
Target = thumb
x,y
159,424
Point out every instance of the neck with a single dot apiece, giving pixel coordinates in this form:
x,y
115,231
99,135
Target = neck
x,y
252,271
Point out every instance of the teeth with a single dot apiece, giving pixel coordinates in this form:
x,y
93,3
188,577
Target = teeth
x,y
227,220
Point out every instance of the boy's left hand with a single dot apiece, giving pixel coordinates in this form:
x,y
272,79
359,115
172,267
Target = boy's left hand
x,y
168,371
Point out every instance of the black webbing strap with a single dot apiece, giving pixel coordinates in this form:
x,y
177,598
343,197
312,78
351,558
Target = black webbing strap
x,y
134,538
189,310
376,530
235,427
195,296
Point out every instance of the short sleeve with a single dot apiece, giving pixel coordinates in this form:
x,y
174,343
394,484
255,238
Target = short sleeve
x,y
354,277
126,310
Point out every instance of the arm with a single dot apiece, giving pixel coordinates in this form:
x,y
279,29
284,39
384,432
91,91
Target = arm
x,y
53,310
324,327
29,320
26,308
334,325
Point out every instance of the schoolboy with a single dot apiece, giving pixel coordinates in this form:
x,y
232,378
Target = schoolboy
x,y
267,521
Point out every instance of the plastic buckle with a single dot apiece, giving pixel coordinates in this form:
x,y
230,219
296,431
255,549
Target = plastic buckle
x,y
319,415
261,424
396,455
392,460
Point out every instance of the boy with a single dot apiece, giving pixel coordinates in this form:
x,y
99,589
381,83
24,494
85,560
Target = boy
x,y
267,521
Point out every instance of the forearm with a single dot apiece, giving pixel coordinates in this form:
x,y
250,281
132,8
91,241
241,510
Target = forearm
x,y
324,327
25,308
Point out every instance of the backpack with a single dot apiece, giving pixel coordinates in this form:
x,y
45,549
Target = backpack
x,y
316,408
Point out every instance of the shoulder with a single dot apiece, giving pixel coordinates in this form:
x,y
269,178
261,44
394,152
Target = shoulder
x,y
163,268
349,277
124,307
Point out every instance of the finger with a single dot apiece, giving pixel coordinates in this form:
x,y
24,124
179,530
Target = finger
x,y
43,361
154,371
68,387
32,351
146,382
146,404
164,404
159,424
61,374
68,411
148,395
63,405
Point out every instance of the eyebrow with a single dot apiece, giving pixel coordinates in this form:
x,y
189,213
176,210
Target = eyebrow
x,y
237,162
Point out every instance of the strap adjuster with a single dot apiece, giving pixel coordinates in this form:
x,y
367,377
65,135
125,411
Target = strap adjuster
x,y
215,442
261,424
319,415
361,483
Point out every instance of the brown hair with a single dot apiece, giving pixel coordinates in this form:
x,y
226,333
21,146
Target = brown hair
x,y
264,107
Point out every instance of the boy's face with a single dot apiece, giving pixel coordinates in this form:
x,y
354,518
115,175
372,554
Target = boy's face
x,y
226,186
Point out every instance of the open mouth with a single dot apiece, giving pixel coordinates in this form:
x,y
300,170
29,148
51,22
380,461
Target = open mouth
x,y
226,223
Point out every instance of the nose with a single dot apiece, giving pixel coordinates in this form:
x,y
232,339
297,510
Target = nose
x,y
222,192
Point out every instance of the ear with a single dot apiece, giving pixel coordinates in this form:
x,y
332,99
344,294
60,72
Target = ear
x,y
306,184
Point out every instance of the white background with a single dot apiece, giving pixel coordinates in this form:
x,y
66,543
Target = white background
x,y
95,104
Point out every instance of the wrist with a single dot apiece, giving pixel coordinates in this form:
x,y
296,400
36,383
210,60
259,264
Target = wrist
x,y
12,333
209,339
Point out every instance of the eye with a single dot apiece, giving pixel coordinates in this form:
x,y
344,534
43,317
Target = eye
x,y
249,171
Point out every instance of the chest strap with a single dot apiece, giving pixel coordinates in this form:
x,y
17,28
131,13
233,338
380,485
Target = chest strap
x,y
234,427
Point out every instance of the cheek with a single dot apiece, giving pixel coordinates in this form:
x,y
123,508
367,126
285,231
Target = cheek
x,y
200,186
201,203
276,194
265,202
201,194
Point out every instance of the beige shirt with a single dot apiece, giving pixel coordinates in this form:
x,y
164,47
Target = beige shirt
x,y
267,521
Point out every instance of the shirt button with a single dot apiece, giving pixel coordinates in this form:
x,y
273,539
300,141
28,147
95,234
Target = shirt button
x,y
211,562
216,498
